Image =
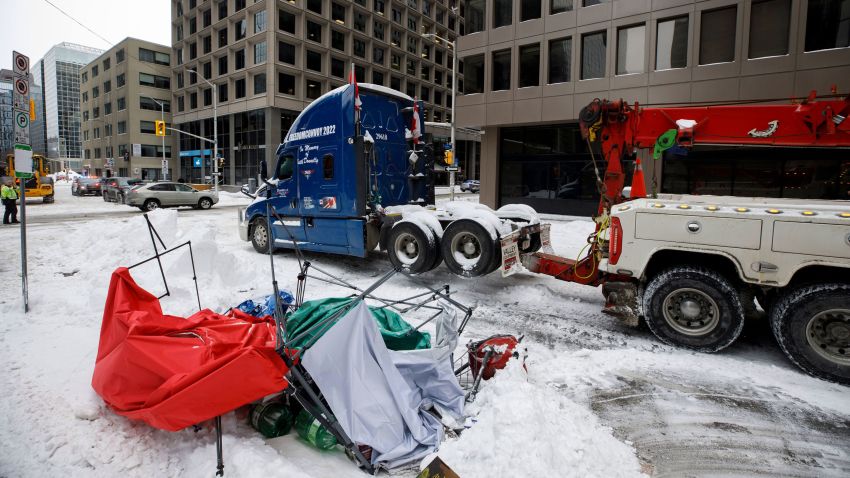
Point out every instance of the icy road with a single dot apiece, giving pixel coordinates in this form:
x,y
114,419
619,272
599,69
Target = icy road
x,y
599,398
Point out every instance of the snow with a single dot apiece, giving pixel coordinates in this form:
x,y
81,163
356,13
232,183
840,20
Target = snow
x,y
598,399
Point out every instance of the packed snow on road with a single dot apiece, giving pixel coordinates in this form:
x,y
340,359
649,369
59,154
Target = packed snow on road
x,y
595,398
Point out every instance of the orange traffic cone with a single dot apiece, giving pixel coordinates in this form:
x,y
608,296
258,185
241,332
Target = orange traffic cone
x,y
638,183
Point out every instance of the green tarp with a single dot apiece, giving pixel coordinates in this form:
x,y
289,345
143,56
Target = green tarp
x,y
397,334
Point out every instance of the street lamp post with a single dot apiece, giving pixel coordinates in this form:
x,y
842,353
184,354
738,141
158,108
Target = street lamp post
x,y
454,94
215,129
162,117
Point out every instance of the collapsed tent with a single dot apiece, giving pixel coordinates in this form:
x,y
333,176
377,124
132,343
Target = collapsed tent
x,y
173,372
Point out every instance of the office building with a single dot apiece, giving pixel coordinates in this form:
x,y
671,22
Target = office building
x,y
56,77
269,59
531,65
122,93
7,126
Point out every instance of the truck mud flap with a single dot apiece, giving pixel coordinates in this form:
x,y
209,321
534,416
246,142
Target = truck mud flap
x,y
621,301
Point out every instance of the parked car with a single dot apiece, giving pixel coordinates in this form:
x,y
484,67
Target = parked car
x,y
115,188
150,196
471,185
82,186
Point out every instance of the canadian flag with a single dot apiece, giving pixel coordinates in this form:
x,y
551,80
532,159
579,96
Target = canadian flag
x,y
415,126
352,79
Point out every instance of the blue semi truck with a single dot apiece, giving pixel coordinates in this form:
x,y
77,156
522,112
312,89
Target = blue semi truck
x,y
348,181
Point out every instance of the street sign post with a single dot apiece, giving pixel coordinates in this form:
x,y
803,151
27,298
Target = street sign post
x,y
23,153
165,169
23,161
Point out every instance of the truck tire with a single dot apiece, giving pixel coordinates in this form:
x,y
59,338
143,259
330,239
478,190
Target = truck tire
x,y
411,248
694,308
259,232
49,199
812,325
468,249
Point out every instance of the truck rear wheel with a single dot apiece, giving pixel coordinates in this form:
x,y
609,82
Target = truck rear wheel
x,y
468,248
260,235
49,199
694,308
411,248
812,325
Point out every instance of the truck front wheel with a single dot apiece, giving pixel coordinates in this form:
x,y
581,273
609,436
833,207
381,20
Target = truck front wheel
x,y
260,235
812,325
694,308
411,248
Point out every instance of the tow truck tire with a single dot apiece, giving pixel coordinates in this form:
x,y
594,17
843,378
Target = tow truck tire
x,y
694,308
411,248
49,199
812,325
468,249
259,233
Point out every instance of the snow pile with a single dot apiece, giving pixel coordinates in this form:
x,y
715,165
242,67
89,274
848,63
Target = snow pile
x,y
529,429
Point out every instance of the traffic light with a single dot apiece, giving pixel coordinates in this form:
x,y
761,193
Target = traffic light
x,y
160,128
448,158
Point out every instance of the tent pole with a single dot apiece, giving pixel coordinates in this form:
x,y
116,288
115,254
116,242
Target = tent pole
x,y
218,450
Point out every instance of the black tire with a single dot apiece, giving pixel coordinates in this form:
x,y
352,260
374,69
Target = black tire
x,y
49,199
468,249
812,325
150,205
409,247
259,233
694,308
205,203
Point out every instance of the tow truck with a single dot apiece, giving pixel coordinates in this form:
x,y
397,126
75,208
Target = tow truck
x,y
694,266
353,175
40,184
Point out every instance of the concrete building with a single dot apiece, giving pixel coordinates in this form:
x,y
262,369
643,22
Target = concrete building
x,y
56,90
122,94
7,126
269,59
531,65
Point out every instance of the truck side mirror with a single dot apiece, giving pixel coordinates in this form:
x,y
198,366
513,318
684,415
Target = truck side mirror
x,y
264,170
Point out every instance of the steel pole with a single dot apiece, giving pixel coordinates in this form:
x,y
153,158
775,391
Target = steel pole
x,y
215,139
24,284
454,121
165,170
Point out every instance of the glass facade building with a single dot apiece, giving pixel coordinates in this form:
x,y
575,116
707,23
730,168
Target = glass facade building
x,y
7,128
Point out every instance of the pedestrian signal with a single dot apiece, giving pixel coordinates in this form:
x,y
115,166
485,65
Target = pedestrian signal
x,y
160,128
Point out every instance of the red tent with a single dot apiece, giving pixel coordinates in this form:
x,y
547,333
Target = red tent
x,y
172,372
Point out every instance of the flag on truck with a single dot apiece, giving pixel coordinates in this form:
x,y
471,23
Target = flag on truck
x,y
352,78
415,126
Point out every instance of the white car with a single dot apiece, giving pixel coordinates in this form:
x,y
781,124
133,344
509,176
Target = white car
x,y
150,196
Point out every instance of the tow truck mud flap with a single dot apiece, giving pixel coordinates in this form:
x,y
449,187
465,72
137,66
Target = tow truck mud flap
x,y
546,238
510,254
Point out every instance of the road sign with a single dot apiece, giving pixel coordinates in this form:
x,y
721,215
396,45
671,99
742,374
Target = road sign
x,y
196,162
21,63
164,168
22,86
23,161
451,169
137,149
22,127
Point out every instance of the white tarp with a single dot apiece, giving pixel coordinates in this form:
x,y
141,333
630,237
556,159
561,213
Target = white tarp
x,y
380,396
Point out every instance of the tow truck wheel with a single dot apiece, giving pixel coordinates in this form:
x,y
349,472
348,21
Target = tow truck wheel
x,y
468,248
49,199
260,235
812,325
694,308
411,248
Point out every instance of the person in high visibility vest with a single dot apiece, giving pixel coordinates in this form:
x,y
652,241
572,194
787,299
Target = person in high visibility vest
x,y
10,198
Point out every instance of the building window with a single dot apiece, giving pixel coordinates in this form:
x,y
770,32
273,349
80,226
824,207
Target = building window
x,y
207,69
529,10
411,67
107,63
337,68
286,84
208,97
425,73
286,53
222,65
502,12
395,37
474,67
181,104
207,16
631,49
589,3
85,116
827,24
147,103
193,50
207,44
717,35
671,49
378,31
259,83
377,77
95,112
222,9
147,127
260,21
180,80
241,30
593,47
120,80
359,48
315,6
378,6
179,32
107,86
314,89
438,77
337,40
395,83
560,6
94,71
529,65
119,56
240,4
107,108
411,24
412,44
84,77
151,56
286,21
426,51
222,92
378,55
260,53
314,61
314,32
193,25
395,61
338,13
396,15
122,127
360,21
222,37
411,89
95,92
240,88
360,72
769,24
122,104
501,70
239,56
85,96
